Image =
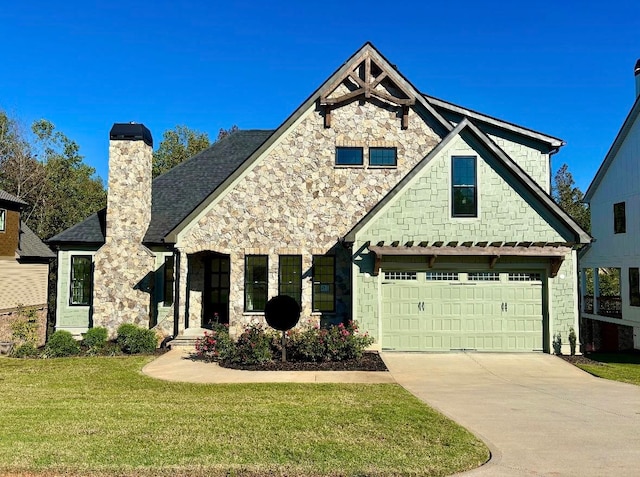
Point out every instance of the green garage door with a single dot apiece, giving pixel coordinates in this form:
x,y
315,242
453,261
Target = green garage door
x,y
442,311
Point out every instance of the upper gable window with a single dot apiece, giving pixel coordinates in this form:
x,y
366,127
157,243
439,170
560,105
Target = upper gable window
x,y
619,218
464,193
383,156
349,156
3,220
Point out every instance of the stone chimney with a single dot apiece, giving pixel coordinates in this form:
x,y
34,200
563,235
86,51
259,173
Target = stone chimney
x,y
636,72
123,266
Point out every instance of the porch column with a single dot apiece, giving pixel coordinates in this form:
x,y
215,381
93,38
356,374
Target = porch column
x,y
182,263
596,291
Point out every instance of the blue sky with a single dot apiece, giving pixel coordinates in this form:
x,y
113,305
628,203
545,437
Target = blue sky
x,y
563,68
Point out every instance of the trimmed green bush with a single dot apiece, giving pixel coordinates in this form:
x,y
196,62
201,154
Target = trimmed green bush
x,y
253,346
26,350
60,344
133,339
95,338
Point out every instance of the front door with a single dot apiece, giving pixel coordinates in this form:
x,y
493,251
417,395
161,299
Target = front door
x,y
216,294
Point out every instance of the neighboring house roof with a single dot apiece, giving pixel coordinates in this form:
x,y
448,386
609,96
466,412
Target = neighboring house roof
x,y
613,151
6,197
177,192
467,125
30,245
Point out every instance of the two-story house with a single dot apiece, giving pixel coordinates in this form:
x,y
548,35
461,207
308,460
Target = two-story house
x,y
610,266
24,268
428,223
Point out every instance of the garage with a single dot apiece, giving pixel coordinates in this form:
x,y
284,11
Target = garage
x,y
471,310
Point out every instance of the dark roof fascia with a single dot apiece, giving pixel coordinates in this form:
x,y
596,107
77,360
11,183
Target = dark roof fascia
x,y
466,124
10,199
613,151
551,141
367,48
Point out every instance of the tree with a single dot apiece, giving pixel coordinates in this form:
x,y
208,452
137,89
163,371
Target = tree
x,y
178,145
569,197
46,170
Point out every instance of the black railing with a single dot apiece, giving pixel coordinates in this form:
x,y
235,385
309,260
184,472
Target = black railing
x,y
587,301
610,306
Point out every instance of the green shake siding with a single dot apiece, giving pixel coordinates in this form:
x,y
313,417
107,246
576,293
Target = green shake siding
x,y
421,212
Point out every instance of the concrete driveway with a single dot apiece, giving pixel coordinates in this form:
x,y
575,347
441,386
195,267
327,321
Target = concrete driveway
x,y
539,415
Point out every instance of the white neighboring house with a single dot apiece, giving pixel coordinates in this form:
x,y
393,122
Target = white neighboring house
x,y
613,322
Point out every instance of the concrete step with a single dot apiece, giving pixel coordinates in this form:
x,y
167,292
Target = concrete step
x,y
187,339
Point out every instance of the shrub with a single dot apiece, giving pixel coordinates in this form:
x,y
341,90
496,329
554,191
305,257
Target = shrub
x,y
95,338
253,346
60,344
26,350
573,339
133,340
557,344
336,343
24,328
216,345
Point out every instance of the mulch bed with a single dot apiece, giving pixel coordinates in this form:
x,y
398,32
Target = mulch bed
x,y
580,359
371,361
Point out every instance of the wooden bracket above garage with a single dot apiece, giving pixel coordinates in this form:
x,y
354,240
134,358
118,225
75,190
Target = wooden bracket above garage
x,y
556,263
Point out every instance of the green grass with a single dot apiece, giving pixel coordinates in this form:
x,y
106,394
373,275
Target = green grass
x,y
616,366
101,416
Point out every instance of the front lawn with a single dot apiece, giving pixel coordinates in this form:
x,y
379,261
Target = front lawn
x,y
623,367
101,416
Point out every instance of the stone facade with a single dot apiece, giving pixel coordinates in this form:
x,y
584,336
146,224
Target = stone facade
x,y
123,284
295,200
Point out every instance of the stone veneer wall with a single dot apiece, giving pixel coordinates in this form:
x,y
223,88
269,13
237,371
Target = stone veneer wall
x,y
123,283
296,201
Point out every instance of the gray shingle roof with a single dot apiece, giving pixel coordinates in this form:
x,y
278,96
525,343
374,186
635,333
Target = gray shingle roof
x,y
6,197
31,246
177,192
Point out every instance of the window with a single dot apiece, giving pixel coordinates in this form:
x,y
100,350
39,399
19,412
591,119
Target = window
x,y
400,276
3,220
464,189
81,278
634,287
349,156
168,280
483,277
255,282
524,277
383,156
441,276
324,283
619,218
290,277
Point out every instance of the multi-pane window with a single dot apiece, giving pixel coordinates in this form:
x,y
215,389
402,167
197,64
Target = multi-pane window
x,y
81,278
619,218
483,277
290,277
168,280
255,282
634,287
349,156
441,276
524,277
324,283
383,156
464,192
400,276
3,220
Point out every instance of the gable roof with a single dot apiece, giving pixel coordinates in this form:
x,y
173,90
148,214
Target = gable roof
x,y
467,125
30,245
447,107
613,151
178,191
6,197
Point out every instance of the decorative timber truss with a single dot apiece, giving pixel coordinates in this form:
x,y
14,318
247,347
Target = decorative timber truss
x,y
554,251
368,79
